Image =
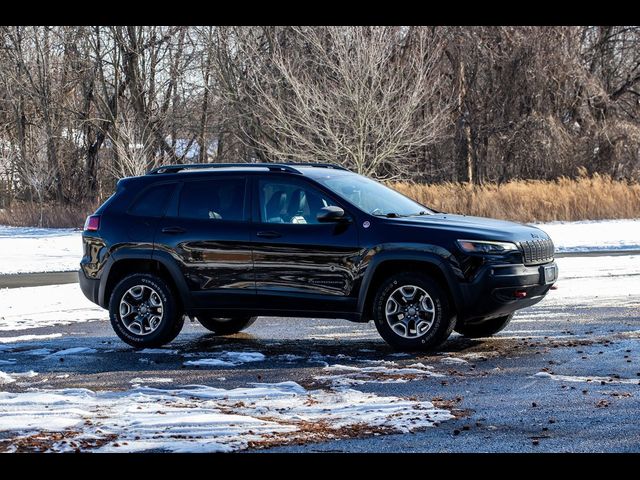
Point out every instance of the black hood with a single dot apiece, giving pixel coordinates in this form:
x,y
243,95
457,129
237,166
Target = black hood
x,y
475,228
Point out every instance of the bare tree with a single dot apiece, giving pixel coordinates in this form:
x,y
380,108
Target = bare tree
x,y
360,96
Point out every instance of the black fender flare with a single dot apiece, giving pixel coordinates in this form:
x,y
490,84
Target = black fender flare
x,y
422,255
150,254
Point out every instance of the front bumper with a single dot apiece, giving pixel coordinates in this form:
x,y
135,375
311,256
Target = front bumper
x,y
492,293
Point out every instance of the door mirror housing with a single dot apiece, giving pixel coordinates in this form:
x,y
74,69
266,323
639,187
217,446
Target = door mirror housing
x,y
332,214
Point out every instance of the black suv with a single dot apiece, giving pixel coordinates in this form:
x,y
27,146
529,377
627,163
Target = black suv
x,y
225,243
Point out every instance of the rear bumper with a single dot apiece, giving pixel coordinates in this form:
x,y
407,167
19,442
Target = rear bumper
x,y
89,286
493,292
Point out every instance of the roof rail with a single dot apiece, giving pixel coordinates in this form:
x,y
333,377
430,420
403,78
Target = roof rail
x,y
284,167
319,165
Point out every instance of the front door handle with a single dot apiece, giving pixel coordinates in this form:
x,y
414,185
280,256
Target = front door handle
x,y
173,230
269,234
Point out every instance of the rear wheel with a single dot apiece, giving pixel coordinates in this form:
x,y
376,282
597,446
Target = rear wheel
x,y
485,329
226,326
144,311
412,312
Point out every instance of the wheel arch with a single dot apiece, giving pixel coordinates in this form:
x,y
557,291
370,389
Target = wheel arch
x,y
126,263
386,264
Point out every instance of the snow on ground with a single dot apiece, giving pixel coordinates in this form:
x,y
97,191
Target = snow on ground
x,y
206,419
453,361
31,307
573,378
147,380
227,359
28,338
60,249
587,281
592,235
27,249
385,372
158,351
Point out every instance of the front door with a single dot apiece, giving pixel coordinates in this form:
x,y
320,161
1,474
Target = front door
x,y
208,232
301,264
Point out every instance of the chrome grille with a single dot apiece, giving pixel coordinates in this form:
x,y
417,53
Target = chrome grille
x,y
537,251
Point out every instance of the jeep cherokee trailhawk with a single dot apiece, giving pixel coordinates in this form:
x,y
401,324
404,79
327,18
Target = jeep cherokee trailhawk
x,y
225,243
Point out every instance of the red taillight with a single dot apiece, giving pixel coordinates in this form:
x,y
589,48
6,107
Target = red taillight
x,y
92,223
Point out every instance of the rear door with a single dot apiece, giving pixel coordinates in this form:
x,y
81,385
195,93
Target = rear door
x,y
207,231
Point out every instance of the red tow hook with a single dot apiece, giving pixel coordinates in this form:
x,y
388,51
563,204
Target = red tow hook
x,y
520,293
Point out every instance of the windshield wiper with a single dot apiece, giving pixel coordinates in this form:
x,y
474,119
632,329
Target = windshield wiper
x,y
389,215
398,215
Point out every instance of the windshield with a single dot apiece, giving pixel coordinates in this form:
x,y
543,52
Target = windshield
x,y
371,196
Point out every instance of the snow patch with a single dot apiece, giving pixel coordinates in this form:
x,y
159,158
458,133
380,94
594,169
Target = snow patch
x,y
148,380
288,357
453,361
602,281
206,419
6,378
590,379
592,235
41,249
28,338
33,307
154,351
228,359
347,375
73,351
209,362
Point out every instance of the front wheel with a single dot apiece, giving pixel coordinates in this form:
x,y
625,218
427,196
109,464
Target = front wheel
x,y
485,329
144,312
226,326
412,312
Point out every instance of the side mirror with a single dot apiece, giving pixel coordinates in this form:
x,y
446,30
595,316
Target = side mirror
x,y
331,214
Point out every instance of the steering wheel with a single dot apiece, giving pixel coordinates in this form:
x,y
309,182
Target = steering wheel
x,y
376,211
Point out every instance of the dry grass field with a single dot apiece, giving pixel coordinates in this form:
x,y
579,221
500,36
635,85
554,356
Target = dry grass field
x,y
586,198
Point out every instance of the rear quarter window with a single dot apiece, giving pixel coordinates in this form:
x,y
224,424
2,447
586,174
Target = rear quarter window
x,y
153,201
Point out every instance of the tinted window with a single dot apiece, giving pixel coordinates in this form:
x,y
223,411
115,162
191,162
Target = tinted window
x,y
153,202
283,201
216,199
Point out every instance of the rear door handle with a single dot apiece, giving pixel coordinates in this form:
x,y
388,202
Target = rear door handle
x,y
269,234
173,230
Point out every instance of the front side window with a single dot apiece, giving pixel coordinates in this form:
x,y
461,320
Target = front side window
x,y
215,199
285,201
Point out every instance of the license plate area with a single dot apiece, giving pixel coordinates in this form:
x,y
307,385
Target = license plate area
x,y
549,274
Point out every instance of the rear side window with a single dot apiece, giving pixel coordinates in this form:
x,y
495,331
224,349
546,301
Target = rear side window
x,y
215,199
153,202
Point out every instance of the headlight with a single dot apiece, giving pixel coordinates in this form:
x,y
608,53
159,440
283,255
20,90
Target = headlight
x,y
482,246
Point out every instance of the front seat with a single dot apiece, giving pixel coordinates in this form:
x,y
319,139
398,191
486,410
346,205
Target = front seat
x,y
296,207
275,207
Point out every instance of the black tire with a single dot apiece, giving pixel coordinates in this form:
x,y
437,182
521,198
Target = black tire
x,y
442,319
171,318
484,329
226,326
